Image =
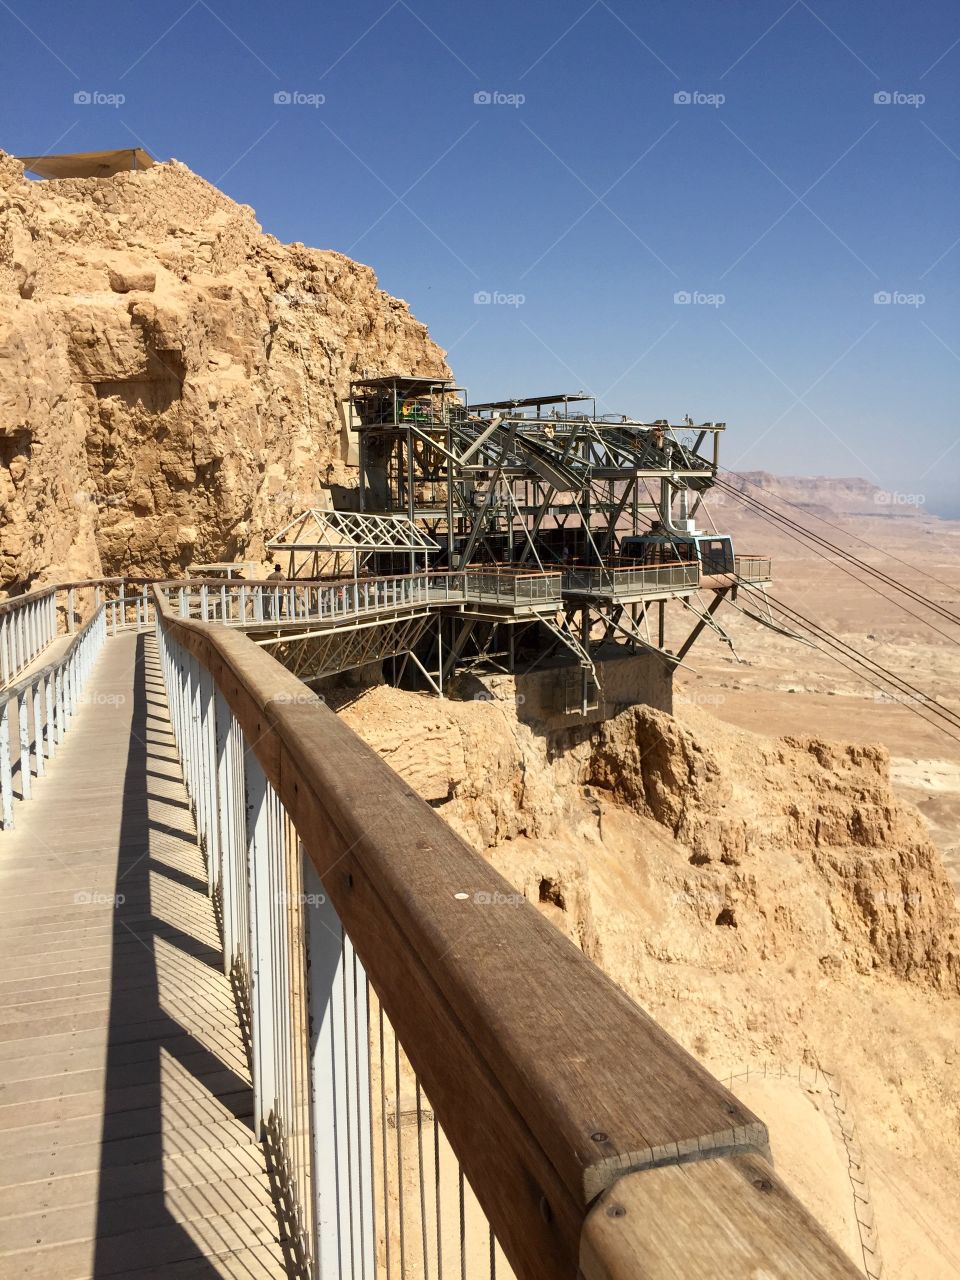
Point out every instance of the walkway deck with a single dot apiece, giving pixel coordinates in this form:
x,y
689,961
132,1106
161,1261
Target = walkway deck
x,y
126,1146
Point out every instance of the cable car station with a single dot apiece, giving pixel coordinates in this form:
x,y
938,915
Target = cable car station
x,y
541,536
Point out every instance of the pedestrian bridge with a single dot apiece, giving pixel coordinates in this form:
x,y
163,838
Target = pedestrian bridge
x,y
262,1013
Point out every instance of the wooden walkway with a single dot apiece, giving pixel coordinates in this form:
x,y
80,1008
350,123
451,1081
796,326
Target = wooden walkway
x,y
126,1146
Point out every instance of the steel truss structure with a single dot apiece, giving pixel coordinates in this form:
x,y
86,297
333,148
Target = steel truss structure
x,y
313,654
542,484
327,543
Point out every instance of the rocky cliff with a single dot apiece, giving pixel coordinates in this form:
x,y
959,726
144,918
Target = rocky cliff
x,y
170,376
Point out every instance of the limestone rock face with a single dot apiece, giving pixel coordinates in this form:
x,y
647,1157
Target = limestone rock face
x,y
170,377
797,846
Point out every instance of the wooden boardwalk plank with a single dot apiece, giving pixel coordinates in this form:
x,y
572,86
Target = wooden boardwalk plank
x,y
125,1095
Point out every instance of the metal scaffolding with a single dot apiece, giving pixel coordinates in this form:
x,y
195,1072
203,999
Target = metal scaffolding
x,y
542,484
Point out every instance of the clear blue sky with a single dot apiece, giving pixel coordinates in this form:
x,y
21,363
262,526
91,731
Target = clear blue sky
x,y
597,198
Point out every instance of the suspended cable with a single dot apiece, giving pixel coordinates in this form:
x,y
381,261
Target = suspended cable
x,y
830,525
866,669
818,544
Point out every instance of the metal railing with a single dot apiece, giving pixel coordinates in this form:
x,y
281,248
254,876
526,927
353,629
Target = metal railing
x,y
753,568
369,1182
249,604
631,579
36,712
417,1029
27,625
507,585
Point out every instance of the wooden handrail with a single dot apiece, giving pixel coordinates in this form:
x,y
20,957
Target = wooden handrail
x,y
29,597
550,1083
732,1218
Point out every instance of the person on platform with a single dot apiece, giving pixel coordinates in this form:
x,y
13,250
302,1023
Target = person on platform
x,y
271,598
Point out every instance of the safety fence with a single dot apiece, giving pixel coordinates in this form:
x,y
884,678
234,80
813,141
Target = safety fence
x,y
27,625
30,623
36,712
631,579
444,1083
250,604
753,568
815,1078
508,585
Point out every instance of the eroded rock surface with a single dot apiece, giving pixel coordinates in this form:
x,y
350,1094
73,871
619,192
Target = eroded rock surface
x,y
169,375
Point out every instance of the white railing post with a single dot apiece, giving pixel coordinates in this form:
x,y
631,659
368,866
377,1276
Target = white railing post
x,y
23,726
48,699
58,698
71,624
195,740
17,646
6,771
341,1117
38,728
67,693
4,654
226,815
183,664
209,779
262,997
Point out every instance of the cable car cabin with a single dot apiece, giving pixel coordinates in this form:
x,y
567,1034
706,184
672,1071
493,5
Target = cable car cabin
x,y
713,553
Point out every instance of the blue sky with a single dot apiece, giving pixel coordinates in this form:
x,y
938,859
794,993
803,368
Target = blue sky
x,y
581,194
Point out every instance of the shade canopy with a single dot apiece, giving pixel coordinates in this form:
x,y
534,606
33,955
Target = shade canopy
x,y
315,530
88,164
